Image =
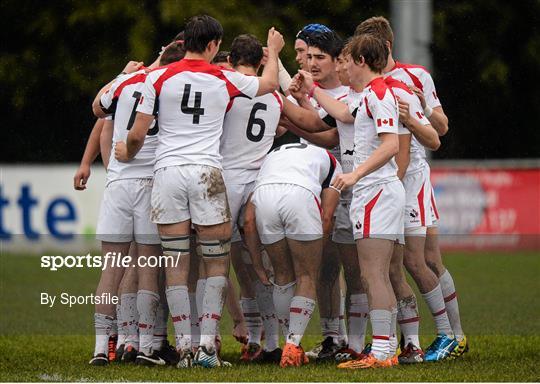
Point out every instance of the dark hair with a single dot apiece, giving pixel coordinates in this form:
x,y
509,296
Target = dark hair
x,y
372,49
174,52
246,50
327,42
201,30
221,57
378,26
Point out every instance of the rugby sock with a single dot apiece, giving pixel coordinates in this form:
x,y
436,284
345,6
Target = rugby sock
x,y
214,297
199,295
330,328
265,301
120,326
250,309
160,330
358,320
409,320
283,295
435,302
300,314
393,333
147,303
195,324
451,303
178,299
102,326
381,323
130,316
343,338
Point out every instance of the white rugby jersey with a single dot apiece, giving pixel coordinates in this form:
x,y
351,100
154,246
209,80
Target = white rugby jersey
x,y
377,113
418,76
308,166
417,151
121,100
248,134
190,98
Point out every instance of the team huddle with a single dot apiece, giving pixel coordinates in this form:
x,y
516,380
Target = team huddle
x,y
314,187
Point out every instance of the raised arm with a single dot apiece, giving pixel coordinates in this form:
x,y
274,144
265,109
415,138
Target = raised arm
x,y
269,82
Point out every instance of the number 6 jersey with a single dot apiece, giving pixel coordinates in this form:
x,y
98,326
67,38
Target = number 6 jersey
x,y
190,98
248,134
121,101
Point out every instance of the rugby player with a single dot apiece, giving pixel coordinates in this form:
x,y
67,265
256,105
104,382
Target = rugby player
x,y
188,184
294,207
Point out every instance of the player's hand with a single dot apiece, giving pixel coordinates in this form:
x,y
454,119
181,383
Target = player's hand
x,y
404,113
275,40
240,332
120,152
132,66
345,180
307,80
81,177
264,59
418,92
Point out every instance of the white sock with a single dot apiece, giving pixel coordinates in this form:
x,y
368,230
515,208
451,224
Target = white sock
x,y
300,314
435,302
330,328
102,326
393,333
381,323
343,338
160,330
199,295
358,320
130,315
120,326
265,302
195,324
178,299
451,303
409,320
282,296
214,298
147,303
250,309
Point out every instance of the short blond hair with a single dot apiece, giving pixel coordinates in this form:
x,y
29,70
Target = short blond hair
x,y
378,26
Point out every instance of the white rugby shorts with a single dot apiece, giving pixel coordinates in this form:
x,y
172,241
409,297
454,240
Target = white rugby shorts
x,y
417,200
238,195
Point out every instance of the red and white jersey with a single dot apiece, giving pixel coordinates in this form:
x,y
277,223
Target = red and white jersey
x,y
248,134
308,166
377,113
418,152
418,76
121,100
190,98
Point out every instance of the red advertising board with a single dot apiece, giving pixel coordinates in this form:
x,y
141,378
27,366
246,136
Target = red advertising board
x,y
488,208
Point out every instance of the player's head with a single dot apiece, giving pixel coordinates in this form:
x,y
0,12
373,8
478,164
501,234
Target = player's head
x,y
323,50
246,50
367,54
341,65
203,35
379,27
175,51
221,59
300,44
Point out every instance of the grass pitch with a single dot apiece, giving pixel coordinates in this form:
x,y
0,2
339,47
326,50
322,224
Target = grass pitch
x,y
498,301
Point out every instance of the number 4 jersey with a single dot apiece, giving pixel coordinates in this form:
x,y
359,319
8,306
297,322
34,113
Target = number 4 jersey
x,y
248,135
121,101
190,98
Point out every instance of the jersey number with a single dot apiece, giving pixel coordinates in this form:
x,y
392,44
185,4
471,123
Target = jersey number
x,y
255,120
151,132
291,146
196,110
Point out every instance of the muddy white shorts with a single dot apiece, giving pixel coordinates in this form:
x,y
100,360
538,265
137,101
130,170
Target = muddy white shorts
x,y
287,210
343,229
377,211
417,200
190,191
238,195
124,215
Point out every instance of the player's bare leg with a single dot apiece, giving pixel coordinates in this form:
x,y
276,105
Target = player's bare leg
x,y
176,245
105,313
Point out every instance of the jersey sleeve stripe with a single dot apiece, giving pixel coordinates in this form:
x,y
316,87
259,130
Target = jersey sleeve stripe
x,y
140,78
278,98
328,180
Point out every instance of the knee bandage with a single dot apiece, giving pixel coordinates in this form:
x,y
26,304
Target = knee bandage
x,y
215,248
175,245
